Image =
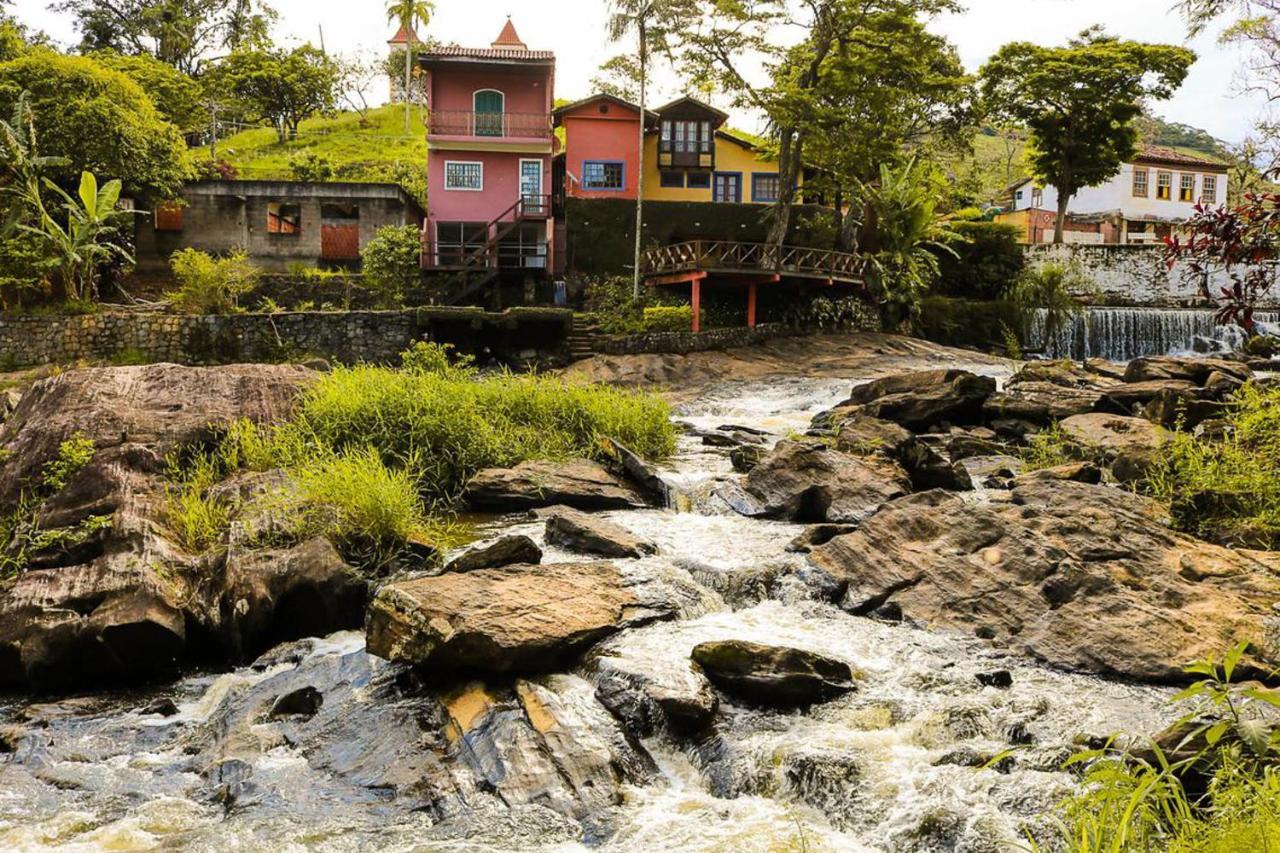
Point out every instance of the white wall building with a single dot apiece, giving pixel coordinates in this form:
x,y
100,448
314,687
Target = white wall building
x,y
1142,204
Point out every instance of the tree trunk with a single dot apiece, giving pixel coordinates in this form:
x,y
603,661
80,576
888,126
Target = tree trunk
x,y
789,152
637,283
1059,226
408,85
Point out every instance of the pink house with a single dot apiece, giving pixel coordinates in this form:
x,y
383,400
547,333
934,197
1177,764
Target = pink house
x,y
490,146
602,133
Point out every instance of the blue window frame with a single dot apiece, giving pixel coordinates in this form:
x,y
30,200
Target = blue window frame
x,y
766,187
727,187
604,175
672,179
699,180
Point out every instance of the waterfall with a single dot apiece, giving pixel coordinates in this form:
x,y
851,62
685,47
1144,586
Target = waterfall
x,y
1122,334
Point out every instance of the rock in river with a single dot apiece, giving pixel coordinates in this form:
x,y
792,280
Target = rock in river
x,y
773,675
116,599
809,482
1083,577
585,534
926,399
577,483
518,618
505,551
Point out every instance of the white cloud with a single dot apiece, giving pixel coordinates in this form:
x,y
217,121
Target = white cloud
x,y
574,29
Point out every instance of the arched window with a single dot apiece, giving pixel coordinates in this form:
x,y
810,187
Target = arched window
x,y
489,106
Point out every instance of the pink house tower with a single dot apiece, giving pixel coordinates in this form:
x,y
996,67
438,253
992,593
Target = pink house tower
x,y
490,146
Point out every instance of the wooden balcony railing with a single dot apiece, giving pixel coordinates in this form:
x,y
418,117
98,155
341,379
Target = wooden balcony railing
x,y
729,256
494,125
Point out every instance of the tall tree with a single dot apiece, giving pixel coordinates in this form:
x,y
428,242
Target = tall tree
x,y
618,76
830,78
652,22
280,87
1080,103
408,15
181,33
97,120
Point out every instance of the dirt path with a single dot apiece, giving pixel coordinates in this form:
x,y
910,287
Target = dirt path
x,y
863,353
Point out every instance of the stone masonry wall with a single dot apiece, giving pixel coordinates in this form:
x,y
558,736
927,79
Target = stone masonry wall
x,y
348,337
1134,275
711,339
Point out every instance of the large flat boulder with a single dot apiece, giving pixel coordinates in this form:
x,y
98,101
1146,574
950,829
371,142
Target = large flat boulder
x,y
580,484
518,618
808,481
925,399
1196,370
1082,577
112,598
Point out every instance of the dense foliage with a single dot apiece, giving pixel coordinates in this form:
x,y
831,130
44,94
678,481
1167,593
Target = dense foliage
x,y
181,33
280,87
209,285
982,263
1213,786
98,120
392,263
178,98
1080,103
1228,488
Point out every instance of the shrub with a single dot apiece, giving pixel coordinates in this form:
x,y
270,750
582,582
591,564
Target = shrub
x,y
984,264
1152,800
392,263
361,501
1227,488
1049,291
208,285
197,519
985,325
310,166
666,318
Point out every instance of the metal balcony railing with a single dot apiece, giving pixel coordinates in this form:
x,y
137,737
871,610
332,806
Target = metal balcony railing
x,y
494,125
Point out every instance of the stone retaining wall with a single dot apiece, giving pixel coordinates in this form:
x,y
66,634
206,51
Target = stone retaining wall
x,y
348,337
1134,275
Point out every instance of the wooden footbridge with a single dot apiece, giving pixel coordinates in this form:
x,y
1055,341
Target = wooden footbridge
x,y
699,262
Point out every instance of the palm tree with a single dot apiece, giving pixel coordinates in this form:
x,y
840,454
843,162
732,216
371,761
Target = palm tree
x,y
651,21
408,15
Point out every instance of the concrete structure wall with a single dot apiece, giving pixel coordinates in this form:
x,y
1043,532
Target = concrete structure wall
x,y
221,216
1134,275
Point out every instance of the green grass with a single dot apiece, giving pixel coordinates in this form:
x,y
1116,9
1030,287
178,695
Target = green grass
x,y
356,152
1228,489
377,458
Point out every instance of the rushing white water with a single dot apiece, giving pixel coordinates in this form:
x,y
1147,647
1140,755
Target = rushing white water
x,y
895,765
1123,334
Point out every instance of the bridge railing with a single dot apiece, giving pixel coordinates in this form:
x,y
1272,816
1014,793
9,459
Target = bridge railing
x,y
730,255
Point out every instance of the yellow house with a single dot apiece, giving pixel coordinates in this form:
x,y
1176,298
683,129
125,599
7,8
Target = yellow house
x,y
689,158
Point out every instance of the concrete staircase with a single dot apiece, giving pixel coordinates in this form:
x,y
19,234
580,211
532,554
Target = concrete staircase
x,y
581,340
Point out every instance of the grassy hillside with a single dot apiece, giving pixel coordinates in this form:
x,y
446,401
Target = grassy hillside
x,y
376,151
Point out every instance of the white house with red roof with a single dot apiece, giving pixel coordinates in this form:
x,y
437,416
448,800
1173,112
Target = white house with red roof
x,y
1145,202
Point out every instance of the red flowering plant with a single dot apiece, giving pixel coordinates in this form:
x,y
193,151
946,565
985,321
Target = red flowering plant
x,y
1242,241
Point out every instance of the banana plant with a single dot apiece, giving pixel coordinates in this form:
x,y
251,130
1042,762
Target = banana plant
x,y
89,238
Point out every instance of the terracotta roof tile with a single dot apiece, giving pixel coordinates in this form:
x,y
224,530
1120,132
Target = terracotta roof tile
x,y
509,37
508,54
1161,154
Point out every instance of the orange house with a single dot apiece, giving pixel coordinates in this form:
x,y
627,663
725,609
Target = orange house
x,y
601,162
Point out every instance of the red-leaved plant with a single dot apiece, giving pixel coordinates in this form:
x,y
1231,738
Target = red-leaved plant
x,y
1242,241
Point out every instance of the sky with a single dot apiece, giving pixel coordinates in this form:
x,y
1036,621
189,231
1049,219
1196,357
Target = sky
x,y
574,29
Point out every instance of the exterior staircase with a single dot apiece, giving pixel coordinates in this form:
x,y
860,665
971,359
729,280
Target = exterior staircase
x,y
581,340
479,267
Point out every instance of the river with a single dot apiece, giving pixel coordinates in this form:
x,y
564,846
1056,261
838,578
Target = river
x,y
881,769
